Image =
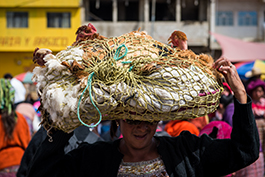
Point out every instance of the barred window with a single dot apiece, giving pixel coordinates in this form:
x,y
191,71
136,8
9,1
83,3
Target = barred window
x,y
194,10
58,19
17,19
164,11
224,18
247,18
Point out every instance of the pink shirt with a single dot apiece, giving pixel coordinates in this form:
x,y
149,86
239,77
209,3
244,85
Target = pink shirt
x,y
258,108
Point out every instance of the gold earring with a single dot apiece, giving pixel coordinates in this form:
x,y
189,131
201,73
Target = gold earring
x,y
117,123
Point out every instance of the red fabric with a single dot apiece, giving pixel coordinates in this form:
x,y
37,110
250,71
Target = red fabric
x,y
258,108
175,127
224,129
226,85
11,151
237,50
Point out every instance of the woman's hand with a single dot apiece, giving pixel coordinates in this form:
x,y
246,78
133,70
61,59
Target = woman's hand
x,y
224,66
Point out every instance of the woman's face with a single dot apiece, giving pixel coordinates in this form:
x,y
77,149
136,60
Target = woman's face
x,y
138,136
257,93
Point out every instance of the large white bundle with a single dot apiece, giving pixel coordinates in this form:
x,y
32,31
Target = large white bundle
x,y
150,79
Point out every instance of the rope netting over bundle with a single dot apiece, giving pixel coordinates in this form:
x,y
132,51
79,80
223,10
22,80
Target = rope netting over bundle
x,y
128,77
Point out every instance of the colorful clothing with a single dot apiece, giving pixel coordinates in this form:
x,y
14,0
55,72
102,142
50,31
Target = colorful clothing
x,y
11,151
224,130
175,127
151,168
258,108
28,111
200,122
9,171
228,114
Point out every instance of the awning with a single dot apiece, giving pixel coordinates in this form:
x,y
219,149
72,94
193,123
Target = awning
x,y
237,50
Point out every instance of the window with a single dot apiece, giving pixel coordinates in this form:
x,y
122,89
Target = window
x,y
99,10
247,18
17,19
58,20
164,11
128,10
224,18
194,10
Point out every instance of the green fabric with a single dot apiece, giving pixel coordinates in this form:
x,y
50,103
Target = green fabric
x,y
7,95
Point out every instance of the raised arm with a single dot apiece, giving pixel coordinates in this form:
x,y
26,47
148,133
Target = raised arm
x,y
232,77
229,155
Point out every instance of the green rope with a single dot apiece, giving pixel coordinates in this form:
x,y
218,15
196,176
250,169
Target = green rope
x,y
89,81
126,62
117,53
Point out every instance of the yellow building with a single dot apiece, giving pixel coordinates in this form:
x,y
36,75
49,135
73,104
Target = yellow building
x,y
26,25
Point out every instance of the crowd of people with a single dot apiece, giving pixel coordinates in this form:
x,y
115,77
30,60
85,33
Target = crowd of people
x,y
19,122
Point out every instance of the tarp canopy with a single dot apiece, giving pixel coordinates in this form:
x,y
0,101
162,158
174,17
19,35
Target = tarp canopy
x,y
237,50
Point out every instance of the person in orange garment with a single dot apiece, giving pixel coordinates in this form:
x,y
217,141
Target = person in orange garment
x,y
200,122
14,132
175,127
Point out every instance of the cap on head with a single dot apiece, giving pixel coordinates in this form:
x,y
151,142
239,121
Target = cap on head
x,y
253,72
254,84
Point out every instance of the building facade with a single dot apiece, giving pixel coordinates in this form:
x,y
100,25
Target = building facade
x,y
242,19
26,25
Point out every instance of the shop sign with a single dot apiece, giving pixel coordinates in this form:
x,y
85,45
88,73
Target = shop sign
x,y
17,41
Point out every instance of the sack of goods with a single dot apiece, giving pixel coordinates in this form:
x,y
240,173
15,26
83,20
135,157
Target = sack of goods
x,y
131,76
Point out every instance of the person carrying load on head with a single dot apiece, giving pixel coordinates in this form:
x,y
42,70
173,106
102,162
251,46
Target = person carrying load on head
x,y
136,81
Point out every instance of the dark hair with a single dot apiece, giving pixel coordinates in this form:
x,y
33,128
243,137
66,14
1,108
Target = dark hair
x,y
113,129
8,115
226,100
9,123
8,76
